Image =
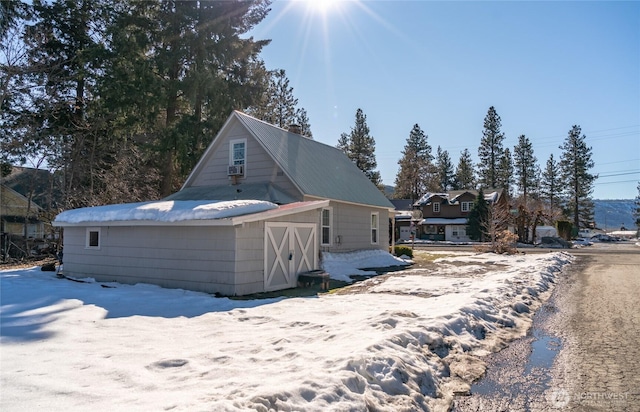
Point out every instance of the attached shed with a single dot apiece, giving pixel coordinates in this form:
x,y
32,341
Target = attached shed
x,y
306,197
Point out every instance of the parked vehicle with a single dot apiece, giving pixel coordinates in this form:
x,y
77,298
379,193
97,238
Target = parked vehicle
x,y
580,241
602,237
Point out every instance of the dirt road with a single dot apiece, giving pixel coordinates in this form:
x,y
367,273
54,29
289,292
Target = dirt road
x,y
583,351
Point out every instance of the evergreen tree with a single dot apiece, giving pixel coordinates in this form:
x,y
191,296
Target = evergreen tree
x,y
359,146
128,90
575,163
280,105
551,187
444,170
478,216
525,167
193,65
61,111
415,166
490,152
505,172
465,173
302,120
277,104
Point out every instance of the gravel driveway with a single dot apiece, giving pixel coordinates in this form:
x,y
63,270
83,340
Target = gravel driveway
x,y
582,353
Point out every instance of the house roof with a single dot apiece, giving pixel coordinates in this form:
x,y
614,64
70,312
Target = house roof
x,y
316,169
263,191
452,197
402,204
13,203
38,181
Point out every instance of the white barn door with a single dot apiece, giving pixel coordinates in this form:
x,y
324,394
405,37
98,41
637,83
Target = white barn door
x,y
289,249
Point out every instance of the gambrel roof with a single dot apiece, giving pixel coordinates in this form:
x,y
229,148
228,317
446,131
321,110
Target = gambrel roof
x,y
316,169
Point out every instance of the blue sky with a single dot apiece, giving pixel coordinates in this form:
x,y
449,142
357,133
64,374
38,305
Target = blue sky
x,y
544,66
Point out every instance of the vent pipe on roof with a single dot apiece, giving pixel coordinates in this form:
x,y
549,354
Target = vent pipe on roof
x,y
295,128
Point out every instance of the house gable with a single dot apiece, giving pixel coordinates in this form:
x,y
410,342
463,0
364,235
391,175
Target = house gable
x,y
295,164
259,168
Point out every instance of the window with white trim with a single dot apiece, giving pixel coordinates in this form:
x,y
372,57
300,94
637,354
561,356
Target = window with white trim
x,y
237,152
436,207
374,227
325,226
93,239
466,206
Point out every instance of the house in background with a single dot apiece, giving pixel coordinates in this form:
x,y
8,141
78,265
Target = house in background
x,y
445,214
321,202
405,223
19,216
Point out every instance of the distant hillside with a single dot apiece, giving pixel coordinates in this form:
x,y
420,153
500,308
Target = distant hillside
x,y
613,214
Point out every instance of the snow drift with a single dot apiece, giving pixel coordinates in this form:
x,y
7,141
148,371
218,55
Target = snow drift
x,y
404,341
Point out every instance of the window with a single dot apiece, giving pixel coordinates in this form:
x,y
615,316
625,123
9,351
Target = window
x,y
93,238
374,228
466,206
325,225
436,207
237,152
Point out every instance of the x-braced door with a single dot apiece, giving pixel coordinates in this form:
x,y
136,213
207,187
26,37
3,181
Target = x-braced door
x,y
290,249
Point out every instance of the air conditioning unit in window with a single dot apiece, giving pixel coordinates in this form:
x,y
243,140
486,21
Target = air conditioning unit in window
x,y
235,170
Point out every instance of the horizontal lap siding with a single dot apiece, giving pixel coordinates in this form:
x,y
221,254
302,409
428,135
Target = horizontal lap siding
x,y
353,224
194,258
260,167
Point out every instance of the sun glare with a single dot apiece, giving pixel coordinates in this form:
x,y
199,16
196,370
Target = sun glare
x,y
323,6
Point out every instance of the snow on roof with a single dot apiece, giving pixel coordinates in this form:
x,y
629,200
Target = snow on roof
x,y
164,211
444,221
491,197
427,197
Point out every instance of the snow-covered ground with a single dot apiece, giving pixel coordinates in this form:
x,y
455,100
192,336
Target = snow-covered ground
x,y
406,340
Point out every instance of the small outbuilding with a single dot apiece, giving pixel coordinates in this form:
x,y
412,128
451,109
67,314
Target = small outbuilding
x,y
257,210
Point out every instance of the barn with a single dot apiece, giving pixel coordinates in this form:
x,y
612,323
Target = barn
x,y
257,210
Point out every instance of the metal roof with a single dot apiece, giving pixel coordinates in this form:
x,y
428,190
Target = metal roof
x,y
315,168
262,191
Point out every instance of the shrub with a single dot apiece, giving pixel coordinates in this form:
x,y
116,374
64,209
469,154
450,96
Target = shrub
x,y
564,229
506,242
403,250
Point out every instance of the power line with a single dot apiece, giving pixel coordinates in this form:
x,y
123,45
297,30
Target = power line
x,y
618,181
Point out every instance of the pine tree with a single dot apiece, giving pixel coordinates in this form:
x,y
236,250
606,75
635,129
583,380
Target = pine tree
x,y
478,216
465,173
525,167
195,66
575,163
302,120
504,178
415,166
490,152
280,106
359,146
444,170
63,114
551,188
